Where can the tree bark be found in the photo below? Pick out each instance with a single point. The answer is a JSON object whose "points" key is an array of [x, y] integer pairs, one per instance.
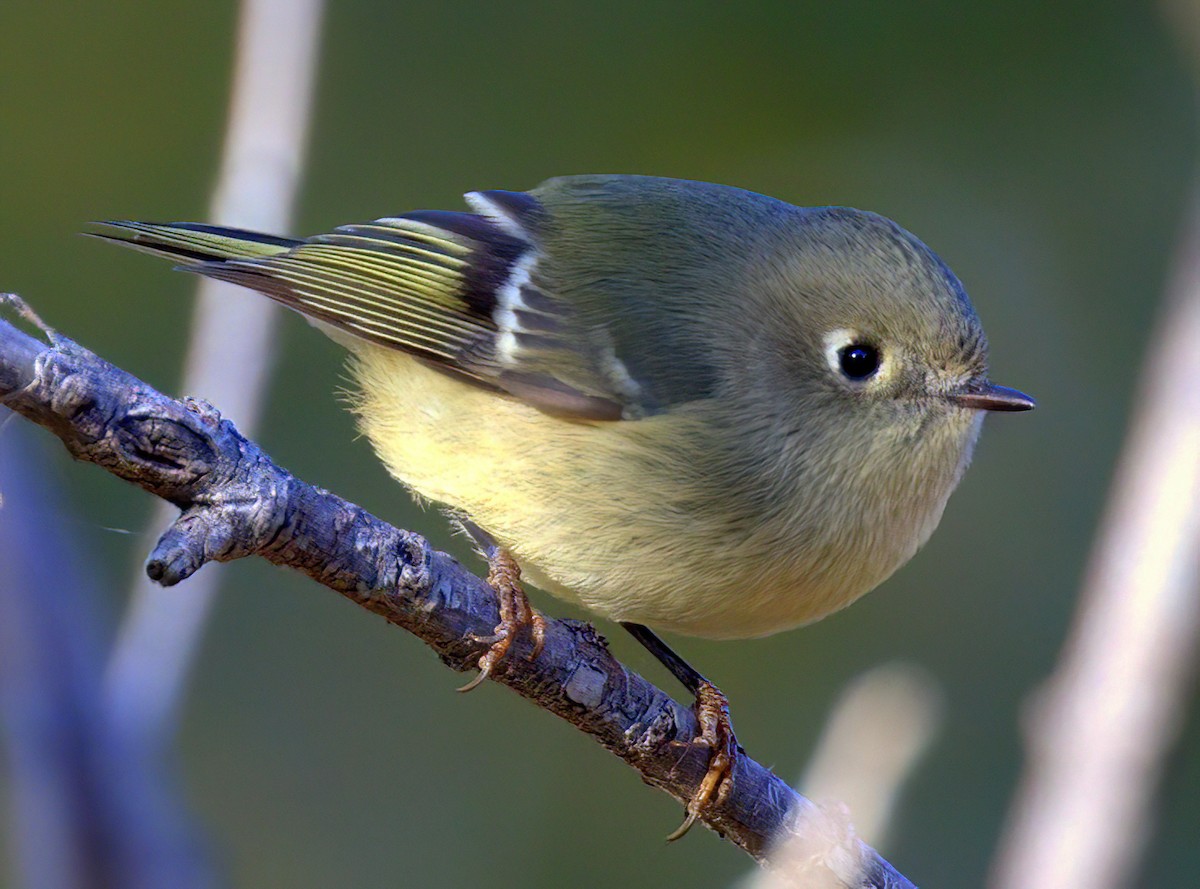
{"points": [[236, 502]]}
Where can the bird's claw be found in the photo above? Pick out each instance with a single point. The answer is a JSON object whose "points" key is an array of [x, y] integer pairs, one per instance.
{"points": [[716, 735], [504, 576]]}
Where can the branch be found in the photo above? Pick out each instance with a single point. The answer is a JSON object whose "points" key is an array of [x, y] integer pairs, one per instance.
{"points": [[236, 502]]}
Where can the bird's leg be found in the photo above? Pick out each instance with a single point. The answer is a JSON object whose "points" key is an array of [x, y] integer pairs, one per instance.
{"points": [[712, 715], [504, 576]]}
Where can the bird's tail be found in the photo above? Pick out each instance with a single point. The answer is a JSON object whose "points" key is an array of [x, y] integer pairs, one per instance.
{"points": [[189, 243]]}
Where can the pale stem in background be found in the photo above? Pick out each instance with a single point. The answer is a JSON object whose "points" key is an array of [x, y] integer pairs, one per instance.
{"points": [[859, 766], [857, 772], [229, 357], [1098, 732]]}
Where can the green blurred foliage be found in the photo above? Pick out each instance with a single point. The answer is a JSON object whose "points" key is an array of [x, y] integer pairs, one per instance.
{"points": [[1043, 149]]}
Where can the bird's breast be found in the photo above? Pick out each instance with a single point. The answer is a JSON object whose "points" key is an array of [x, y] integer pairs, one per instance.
{"points": [[634, 519]]}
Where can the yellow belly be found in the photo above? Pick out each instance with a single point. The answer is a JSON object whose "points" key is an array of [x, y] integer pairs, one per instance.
{"points": [[605, 514]]}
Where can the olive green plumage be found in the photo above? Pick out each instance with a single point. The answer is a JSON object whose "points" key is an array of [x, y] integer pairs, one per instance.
{"points": [[683, 404]]}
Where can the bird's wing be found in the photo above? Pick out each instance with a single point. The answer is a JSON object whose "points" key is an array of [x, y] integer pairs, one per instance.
{"points": [[466, 292]]}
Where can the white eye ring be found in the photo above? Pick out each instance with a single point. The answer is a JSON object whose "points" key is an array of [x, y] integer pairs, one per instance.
{"points": [[852, 356]]}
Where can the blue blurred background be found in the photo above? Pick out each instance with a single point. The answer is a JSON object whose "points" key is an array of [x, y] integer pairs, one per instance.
{"points": [[1044, 150]]}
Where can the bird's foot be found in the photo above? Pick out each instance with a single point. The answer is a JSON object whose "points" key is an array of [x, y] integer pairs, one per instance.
{"points": [[716, 735], [504, 576]]}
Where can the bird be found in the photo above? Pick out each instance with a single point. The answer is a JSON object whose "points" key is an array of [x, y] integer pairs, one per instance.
{"points": [[687, 407]]}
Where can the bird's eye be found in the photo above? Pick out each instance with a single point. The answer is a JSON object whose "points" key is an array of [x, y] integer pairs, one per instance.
{"points": [[858, 361]]}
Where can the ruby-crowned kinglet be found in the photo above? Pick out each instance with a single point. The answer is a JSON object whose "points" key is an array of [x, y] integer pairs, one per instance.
{"points": [[683, 405]]}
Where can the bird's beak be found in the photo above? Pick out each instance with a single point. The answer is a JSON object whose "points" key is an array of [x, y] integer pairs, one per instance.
{"points": [[987, 397]]}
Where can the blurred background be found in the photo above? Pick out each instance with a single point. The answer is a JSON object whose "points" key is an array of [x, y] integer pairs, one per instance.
{"points": [[1044, 150]]}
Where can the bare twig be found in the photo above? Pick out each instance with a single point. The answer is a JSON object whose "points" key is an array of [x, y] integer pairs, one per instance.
{"points": [[236, 502], [231, 345], [863, 768], [856, 768], [1100, 728]]}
